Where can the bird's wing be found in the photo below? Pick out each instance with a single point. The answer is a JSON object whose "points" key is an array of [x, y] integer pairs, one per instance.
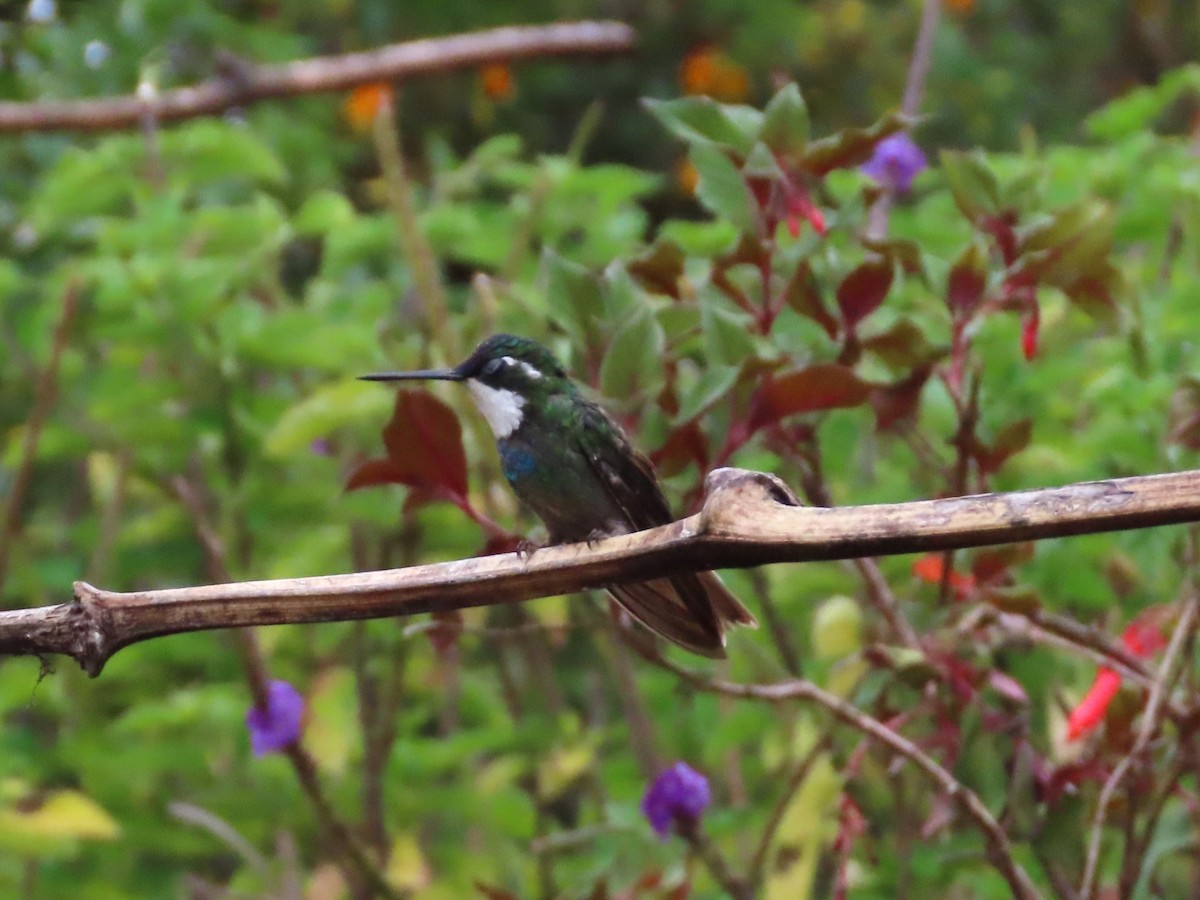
{"points": [[679, 608], [628, 476]]}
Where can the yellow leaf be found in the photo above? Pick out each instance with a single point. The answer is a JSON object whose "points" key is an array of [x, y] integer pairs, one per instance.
{"points": [[810, 820], [407, 869], [844, 676], [331, 732], [563, 767], [43, 827], [837, 628]]}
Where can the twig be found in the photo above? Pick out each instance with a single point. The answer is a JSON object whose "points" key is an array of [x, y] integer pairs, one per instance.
{"points": [[1150, 723], [426, 276], [777, 627], [798, 689], [323, 74], [914, 87], [714, 861], [43, 397], [748, 519]]}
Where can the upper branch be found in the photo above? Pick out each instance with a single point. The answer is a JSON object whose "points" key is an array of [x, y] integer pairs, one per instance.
{"points": [[748, 519], [253, 83]]}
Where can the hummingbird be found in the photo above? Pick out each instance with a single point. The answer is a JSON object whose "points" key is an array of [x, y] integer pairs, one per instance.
{"points": [[571, 464]]}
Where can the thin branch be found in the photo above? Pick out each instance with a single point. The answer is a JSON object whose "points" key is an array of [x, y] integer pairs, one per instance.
{"points": [[421, 260], [1150, 723], [914, 87], [251, 84], [748, 519], [43, 398], [798, 689]]}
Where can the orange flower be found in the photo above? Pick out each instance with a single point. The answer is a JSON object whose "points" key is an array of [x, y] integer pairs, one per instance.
{"points": [[364, 103], [498, 82], [961, 6], [686, 176], [930, 569], [709, 72]]}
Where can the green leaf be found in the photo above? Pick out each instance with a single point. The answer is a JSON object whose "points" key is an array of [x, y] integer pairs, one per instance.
{"points": [[722, 188], [714, 383], [324, 411], [973, 185], [207, 150], [785, 121], [633, 364], [102, 179], [700, 238], [1138, 109], [575, 292], [702, 121], [727, 337], [324, 211]]}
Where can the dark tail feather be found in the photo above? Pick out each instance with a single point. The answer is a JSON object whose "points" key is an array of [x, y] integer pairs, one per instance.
{"points": [[689, 610]]}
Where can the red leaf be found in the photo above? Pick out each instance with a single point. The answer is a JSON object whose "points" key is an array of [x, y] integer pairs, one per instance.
{"points": [[803, 295], [821, 386], [898, 402], [968, 278], [1012, 439], [445, 633], [424, 449], [989, 564], [1091, 709], [863, 290], [371, 472], [683, 445]]}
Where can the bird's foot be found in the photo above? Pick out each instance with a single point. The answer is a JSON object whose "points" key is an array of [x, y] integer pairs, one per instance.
{"points": [[595, 536], [526, 548]]}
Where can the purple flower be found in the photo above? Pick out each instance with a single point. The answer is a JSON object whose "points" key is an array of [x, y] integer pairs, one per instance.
{"points": [[678, 794], [321, 447], [275, 727], [896, 162]]}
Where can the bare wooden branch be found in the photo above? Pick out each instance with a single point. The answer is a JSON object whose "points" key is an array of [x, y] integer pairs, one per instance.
{"points": [[748, 519], [251, 83]]}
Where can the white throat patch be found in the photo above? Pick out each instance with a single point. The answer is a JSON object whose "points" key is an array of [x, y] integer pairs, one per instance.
{"points": [[501, 408]]}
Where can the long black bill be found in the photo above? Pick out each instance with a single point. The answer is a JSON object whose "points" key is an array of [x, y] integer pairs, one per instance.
{"points": [[421, 375]]}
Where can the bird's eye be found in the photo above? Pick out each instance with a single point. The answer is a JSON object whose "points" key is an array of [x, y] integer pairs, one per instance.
{"points": [[492, 367]]}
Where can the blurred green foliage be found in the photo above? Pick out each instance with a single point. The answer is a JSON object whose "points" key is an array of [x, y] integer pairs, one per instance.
{"points": [[235, 274]]}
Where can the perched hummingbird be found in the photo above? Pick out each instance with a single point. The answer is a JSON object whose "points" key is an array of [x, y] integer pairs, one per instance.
{"points": [[570, 463]]}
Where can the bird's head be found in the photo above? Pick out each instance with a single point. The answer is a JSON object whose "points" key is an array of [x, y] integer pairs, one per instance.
{"points": [[505, 374]]}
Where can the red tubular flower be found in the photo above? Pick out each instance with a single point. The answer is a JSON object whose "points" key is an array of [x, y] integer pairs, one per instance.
{"points": [[1092, 708], [1143, 638]]}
